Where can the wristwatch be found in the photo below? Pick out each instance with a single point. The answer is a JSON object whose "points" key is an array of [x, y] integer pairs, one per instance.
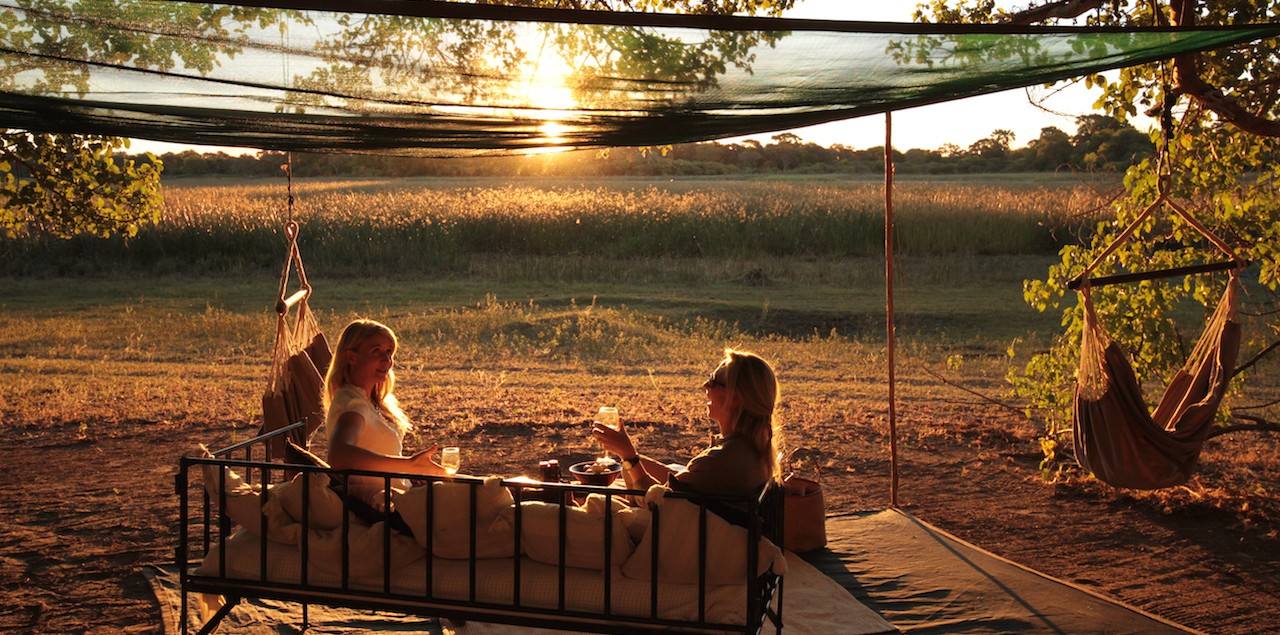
{"points": [[631, 463]]}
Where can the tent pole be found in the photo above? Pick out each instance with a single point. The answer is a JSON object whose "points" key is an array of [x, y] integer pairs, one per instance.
{"points": [[889, 318]]}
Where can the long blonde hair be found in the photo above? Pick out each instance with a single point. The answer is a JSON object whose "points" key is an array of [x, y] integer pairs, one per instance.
{"points": [[752, 379], [384, 393]]}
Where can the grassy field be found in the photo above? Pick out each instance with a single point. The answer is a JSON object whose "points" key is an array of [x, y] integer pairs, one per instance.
{"points": [[490, 270], [598, 283], [153, 347], [620, 277], [566, 230]]}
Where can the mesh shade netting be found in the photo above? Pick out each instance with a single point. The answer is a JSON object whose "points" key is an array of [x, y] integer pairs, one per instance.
{"points": [[447, 79], [1116, 436]]}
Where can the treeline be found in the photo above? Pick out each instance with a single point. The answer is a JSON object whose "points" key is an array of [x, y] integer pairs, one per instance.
{"points": [[1100, 143]]}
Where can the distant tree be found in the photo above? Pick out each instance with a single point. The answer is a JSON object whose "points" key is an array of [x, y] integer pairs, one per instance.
{"points": [[1105, 142], [950, 150], [994, 147], [1123, 149], [1051, 150]]}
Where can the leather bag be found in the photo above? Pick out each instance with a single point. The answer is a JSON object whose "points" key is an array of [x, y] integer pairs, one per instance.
{"points": [[805, 515]]}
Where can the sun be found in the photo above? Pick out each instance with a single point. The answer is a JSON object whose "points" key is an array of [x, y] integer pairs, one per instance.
{"points": [[545, 93], [550, 94], [553, 131]]}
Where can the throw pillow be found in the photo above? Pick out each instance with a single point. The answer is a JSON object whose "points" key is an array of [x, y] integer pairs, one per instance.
{"points": [[678, 521], [450, 518], [244, 504], [323, 504], [364, 554], [584, 532]]}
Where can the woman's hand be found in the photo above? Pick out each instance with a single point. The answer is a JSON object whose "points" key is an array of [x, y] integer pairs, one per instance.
{"points": [[615, 441], [422, 463]]}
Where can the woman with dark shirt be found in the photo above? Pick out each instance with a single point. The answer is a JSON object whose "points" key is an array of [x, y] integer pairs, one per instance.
{"points": [[742, 393]]}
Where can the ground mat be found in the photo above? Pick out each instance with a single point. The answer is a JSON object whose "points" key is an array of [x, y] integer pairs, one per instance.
{"points": [[813, 604], [924, 580]]}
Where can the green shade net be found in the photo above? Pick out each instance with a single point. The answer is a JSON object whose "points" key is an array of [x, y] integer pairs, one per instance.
{"points": [[448, 79]]}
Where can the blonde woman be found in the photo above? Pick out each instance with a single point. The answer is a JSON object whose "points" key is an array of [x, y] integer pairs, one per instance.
{"points": [[742, 393], [365, 424]]}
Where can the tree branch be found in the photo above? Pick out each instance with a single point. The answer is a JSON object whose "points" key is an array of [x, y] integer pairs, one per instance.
{"points": [[980, 395], [1187, 80], [1258, 424], [1060, 9], [1256, 406], [1256, 358], [1186, 68]]}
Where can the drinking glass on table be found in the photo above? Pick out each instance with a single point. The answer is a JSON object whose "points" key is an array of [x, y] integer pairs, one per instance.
{"points": [[450, 459], [608, 416]]}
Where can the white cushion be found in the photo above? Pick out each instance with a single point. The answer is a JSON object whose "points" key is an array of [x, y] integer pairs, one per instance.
{"points": [[244, 504], [324, 505], [584, 529], [495, 537], [678, 546]]}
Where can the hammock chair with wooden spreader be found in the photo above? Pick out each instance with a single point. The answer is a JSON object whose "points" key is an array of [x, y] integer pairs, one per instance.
{"points": [[1116, 437], [299, 359]]}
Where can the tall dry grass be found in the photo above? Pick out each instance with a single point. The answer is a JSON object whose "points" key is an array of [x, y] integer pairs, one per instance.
{"points": [[412, 227]]}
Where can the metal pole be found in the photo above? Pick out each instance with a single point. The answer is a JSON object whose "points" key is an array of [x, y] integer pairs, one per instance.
{"points": [[889, 319]]}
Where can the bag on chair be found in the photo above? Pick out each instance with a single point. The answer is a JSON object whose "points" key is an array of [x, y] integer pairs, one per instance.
{"points": [[804, 527]]}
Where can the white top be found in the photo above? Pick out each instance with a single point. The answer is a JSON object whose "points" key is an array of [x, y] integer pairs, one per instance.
{"points": [[379, 433]]}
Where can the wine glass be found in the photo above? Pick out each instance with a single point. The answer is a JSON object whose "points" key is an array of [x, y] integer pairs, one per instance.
{"points": [[608, 416], [450, 459]]}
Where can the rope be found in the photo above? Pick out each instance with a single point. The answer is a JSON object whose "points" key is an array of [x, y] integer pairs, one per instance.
{"points": [[288, 176], [1163, 180], [293, 257]]}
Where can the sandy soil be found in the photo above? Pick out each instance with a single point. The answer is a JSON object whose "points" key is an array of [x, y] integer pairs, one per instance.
{"points": [[84, 507]]}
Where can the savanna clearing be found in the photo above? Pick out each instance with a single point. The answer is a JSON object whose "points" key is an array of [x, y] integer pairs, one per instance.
{"points": [[522, 309]]}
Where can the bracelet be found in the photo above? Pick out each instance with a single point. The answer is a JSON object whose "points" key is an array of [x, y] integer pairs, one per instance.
{"points": [[631, 463]]}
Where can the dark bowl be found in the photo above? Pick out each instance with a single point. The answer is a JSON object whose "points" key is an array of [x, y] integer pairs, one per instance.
{"points": [[585, 475]]}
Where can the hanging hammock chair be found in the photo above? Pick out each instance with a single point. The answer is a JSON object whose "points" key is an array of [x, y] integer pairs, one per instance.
{"points": [[1116, 436], [300, 358]]}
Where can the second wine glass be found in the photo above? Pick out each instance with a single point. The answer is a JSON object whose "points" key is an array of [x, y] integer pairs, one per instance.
{"points": [[608, 416], [450, 459]]}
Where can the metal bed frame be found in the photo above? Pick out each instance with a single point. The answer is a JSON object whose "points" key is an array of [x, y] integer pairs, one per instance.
{"points": [[202, 525]]}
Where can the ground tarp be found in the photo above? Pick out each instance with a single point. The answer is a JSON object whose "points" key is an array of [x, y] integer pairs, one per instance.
{"points": [[813, 604], [924, 580], [881, 571]]}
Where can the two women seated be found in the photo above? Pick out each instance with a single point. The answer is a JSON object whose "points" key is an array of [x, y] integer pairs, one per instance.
{"points": [[366, 426]]}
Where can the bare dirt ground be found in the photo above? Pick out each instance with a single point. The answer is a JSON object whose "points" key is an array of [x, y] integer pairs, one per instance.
{"points": [[84, 506]]}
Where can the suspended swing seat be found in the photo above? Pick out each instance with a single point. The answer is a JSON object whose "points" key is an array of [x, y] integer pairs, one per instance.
{"points": [[1116, 436], [299, 360]]}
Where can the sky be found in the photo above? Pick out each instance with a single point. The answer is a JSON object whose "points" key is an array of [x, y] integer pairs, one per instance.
{"points": [[959, 122]]}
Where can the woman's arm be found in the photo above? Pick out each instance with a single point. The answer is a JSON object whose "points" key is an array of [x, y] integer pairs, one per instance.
{"points": [[646, 472], [346, 454], [638, 472]]}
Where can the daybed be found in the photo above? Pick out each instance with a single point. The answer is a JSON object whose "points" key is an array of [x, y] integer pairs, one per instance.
{"points": [[499, 550]]}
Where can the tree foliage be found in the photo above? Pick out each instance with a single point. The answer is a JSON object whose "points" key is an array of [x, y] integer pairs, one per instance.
{"points": [[67, 184], [1218, 157]]}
